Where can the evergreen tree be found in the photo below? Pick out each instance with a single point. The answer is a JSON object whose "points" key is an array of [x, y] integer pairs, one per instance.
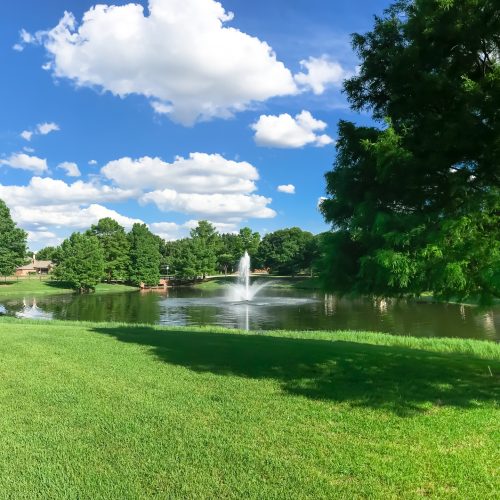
{"points": [[82, 262], [12, 243], [145, 257], [116, 248], [415, 205]]}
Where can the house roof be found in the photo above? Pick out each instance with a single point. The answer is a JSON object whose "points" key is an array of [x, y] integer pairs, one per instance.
{"points": [[38, 264]]}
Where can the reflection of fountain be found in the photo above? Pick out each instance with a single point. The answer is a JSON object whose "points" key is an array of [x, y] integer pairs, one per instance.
{"points": [[33, 311], [243, 291]]}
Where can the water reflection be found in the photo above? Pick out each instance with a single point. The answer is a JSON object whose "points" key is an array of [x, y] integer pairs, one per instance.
{"points": [[273, 309]]}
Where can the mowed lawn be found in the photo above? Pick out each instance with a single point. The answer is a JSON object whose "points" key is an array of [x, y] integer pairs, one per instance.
{"points": [[13, 288], [113, 411]]}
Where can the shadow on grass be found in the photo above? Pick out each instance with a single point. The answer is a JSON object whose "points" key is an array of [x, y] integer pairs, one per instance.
{"points": [[405, 381]]}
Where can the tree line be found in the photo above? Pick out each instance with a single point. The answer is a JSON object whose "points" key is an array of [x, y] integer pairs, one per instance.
{"points": [[106, 252]]}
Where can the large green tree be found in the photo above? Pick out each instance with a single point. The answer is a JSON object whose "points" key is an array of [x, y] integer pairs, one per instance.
{"points": [[415, 205], [287, 251], [82, 262], [145, 257], [116, 248], [12, 243], [206, 245]]}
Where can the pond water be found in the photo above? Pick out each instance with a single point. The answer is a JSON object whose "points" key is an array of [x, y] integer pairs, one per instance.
{"points": [[273, 308]]}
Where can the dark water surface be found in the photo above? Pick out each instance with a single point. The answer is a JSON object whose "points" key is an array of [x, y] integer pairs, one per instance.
{"points": [[273, 308]]}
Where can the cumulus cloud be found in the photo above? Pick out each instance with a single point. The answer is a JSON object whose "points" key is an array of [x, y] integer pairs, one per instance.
{"points": [[71, 168], [320, 73], [26, 162], [41, 129], [47, 128], [200, 173], [218, 206], [26, 135], [69, 216], [285, 131], [92, 162], [182, 55], [47, 191], [287, 188]]}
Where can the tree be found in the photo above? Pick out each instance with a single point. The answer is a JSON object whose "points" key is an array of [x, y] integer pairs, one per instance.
{"points": [[49, 253], [415, 205], [116, 248], [12, 243], [205, 246], [287, 251], [145, 256], [82, 262]]}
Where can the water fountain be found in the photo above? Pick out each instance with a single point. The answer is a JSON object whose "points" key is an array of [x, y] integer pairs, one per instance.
{"points": [[243, 291]]}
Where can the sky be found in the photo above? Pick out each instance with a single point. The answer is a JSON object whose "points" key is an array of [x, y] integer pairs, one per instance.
{"points": [[172, 111]]}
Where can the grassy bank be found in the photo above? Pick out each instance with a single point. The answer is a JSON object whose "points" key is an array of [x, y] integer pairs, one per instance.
{"points": [[299, 283], [33, 286], [116, 411]]}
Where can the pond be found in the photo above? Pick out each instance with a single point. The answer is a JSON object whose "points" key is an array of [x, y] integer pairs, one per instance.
{"points": [[273, 308]]}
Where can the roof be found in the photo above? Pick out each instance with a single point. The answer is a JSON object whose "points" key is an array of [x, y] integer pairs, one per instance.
{"points": [[38, 264]]}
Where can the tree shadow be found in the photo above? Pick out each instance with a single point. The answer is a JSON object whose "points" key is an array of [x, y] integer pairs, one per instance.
{"points": [[405, 381]]}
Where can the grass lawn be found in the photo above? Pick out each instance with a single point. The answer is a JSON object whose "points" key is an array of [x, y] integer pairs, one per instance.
{"points": [[113, 411], [35, 286], [301, 283]]}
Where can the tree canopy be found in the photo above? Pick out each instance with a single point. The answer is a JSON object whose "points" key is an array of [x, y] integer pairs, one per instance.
{"points": [[415, 204], [287, 251], [116, 248], [12, 243], [82, 262], [145, 256]]}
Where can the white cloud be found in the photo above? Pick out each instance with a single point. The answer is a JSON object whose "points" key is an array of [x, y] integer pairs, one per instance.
{"points": [[182, 56], [69, 217], [217, 206], [92, 162], [200, 173], [287, 188], [321, 72], [40, 129], [26, 135], [25, 38], [47, 128], [284, 131], [47, 191], [26, 162], [71, 168], [28, 150]]}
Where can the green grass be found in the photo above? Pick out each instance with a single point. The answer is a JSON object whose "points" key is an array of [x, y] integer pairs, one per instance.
{"points": [[34, 286], [115, 411], [301, 283]]}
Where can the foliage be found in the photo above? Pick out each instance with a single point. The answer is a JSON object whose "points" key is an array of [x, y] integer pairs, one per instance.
{"points": [[116, 248], [287, 251], [82, 262], [12, 243], [415, 206], [145, 256], [49, 253], [205, 245]]}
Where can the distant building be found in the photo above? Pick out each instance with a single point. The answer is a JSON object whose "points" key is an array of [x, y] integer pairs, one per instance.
{"points": [[35, 267]]}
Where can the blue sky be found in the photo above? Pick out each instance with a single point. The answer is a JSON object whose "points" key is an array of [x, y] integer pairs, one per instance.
{"points": [[184, 112]]}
